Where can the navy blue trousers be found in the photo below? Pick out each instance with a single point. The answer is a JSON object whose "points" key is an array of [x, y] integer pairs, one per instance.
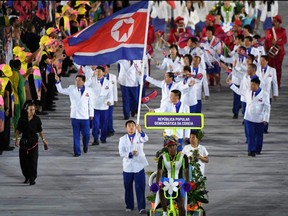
{"points": [[130, 97], [236, 103], [267, 125], [254, 135], [110, 128], [243, 112], [197, 108], [83, 126], [139, 179], [100, 123]]}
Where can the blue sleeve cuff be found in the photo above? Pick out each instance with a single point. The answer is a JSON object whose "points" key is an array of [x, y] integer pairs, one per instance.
{"points": [[142, 134], [58, 82], [130, 155], [230, 85], [145, 76]]}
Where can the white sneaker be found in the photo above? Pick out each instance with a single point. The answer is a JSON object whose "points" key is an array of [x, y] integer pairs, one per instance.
{"points": [[128, 210]]}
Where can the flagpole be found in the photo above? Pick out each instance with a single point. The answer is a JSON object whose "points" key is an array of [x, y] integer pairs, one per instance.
{"points": [[142, 66]]}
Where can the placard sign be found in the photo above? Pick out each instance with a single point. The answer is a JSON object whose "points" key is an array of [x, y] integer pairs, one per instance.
{"points": [[174, 121]]}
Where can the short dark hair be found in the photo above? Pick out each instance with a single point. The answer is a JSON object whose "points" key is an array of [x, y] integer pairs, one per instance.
{"points": [[265, 57], [177, 93], [100, 68], [242, 47], [257, 36], [81, 76], [187, 68], [13, 20], [173, 46], [195, 132], [189, 58], [249, 28], [249, 38], [130, 121], [210, 28], [240, 37], [193, 39], [171, 75], [251, 56], [254, 66], [197, 56], [256, 80]]}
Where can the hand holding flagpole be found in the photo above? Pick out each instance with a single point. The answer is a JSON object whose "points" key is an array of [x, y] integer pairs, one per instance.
{"points": [[142, 66]]}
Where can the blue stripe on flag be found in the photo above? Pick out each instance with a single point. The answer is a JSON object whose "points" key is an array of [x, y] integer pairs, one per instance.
{"points": [[111, 57]]}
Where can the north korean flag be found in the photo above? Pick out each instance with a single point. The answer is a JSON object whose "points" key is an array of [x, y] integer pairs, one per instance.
{"points": [[119, 36]]}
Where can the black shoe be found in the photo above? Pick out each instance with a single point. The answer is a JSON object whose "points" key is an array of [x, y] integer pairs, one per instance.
{"points": [[258, 153], [253, 154], [110, 134], [1, 152], [26, 180], [235, 116], [103, 141], [76, 155], [266, 132], [9, 148], [126, 118], [249, 153], [96, 142], [32, 182], [85, 150]]}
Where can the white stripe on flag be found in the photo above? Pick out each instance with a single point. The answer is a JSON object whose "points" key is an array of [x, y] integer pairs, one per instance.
{"points": [[109, 50], [120, 16]]}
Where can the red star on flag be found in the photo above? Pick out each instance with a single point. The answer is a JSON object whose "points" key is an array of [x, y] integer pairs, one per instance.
{"points": [[123, 29]]}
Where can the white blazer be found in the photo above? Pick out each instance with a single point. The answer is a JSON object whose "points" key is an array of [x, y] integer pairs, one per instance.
{"points": [[268, 80], [203, 11], [191, 19], [244, 85], [159, 10], [113, 83], [257, 108], [81, 105], [201, 83], [138, 162], [188, 96], [239, 69], [102, 93], [128, 74], [164, 89], [264, 13], [170, 108], [179, 10], [176, 64]]}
